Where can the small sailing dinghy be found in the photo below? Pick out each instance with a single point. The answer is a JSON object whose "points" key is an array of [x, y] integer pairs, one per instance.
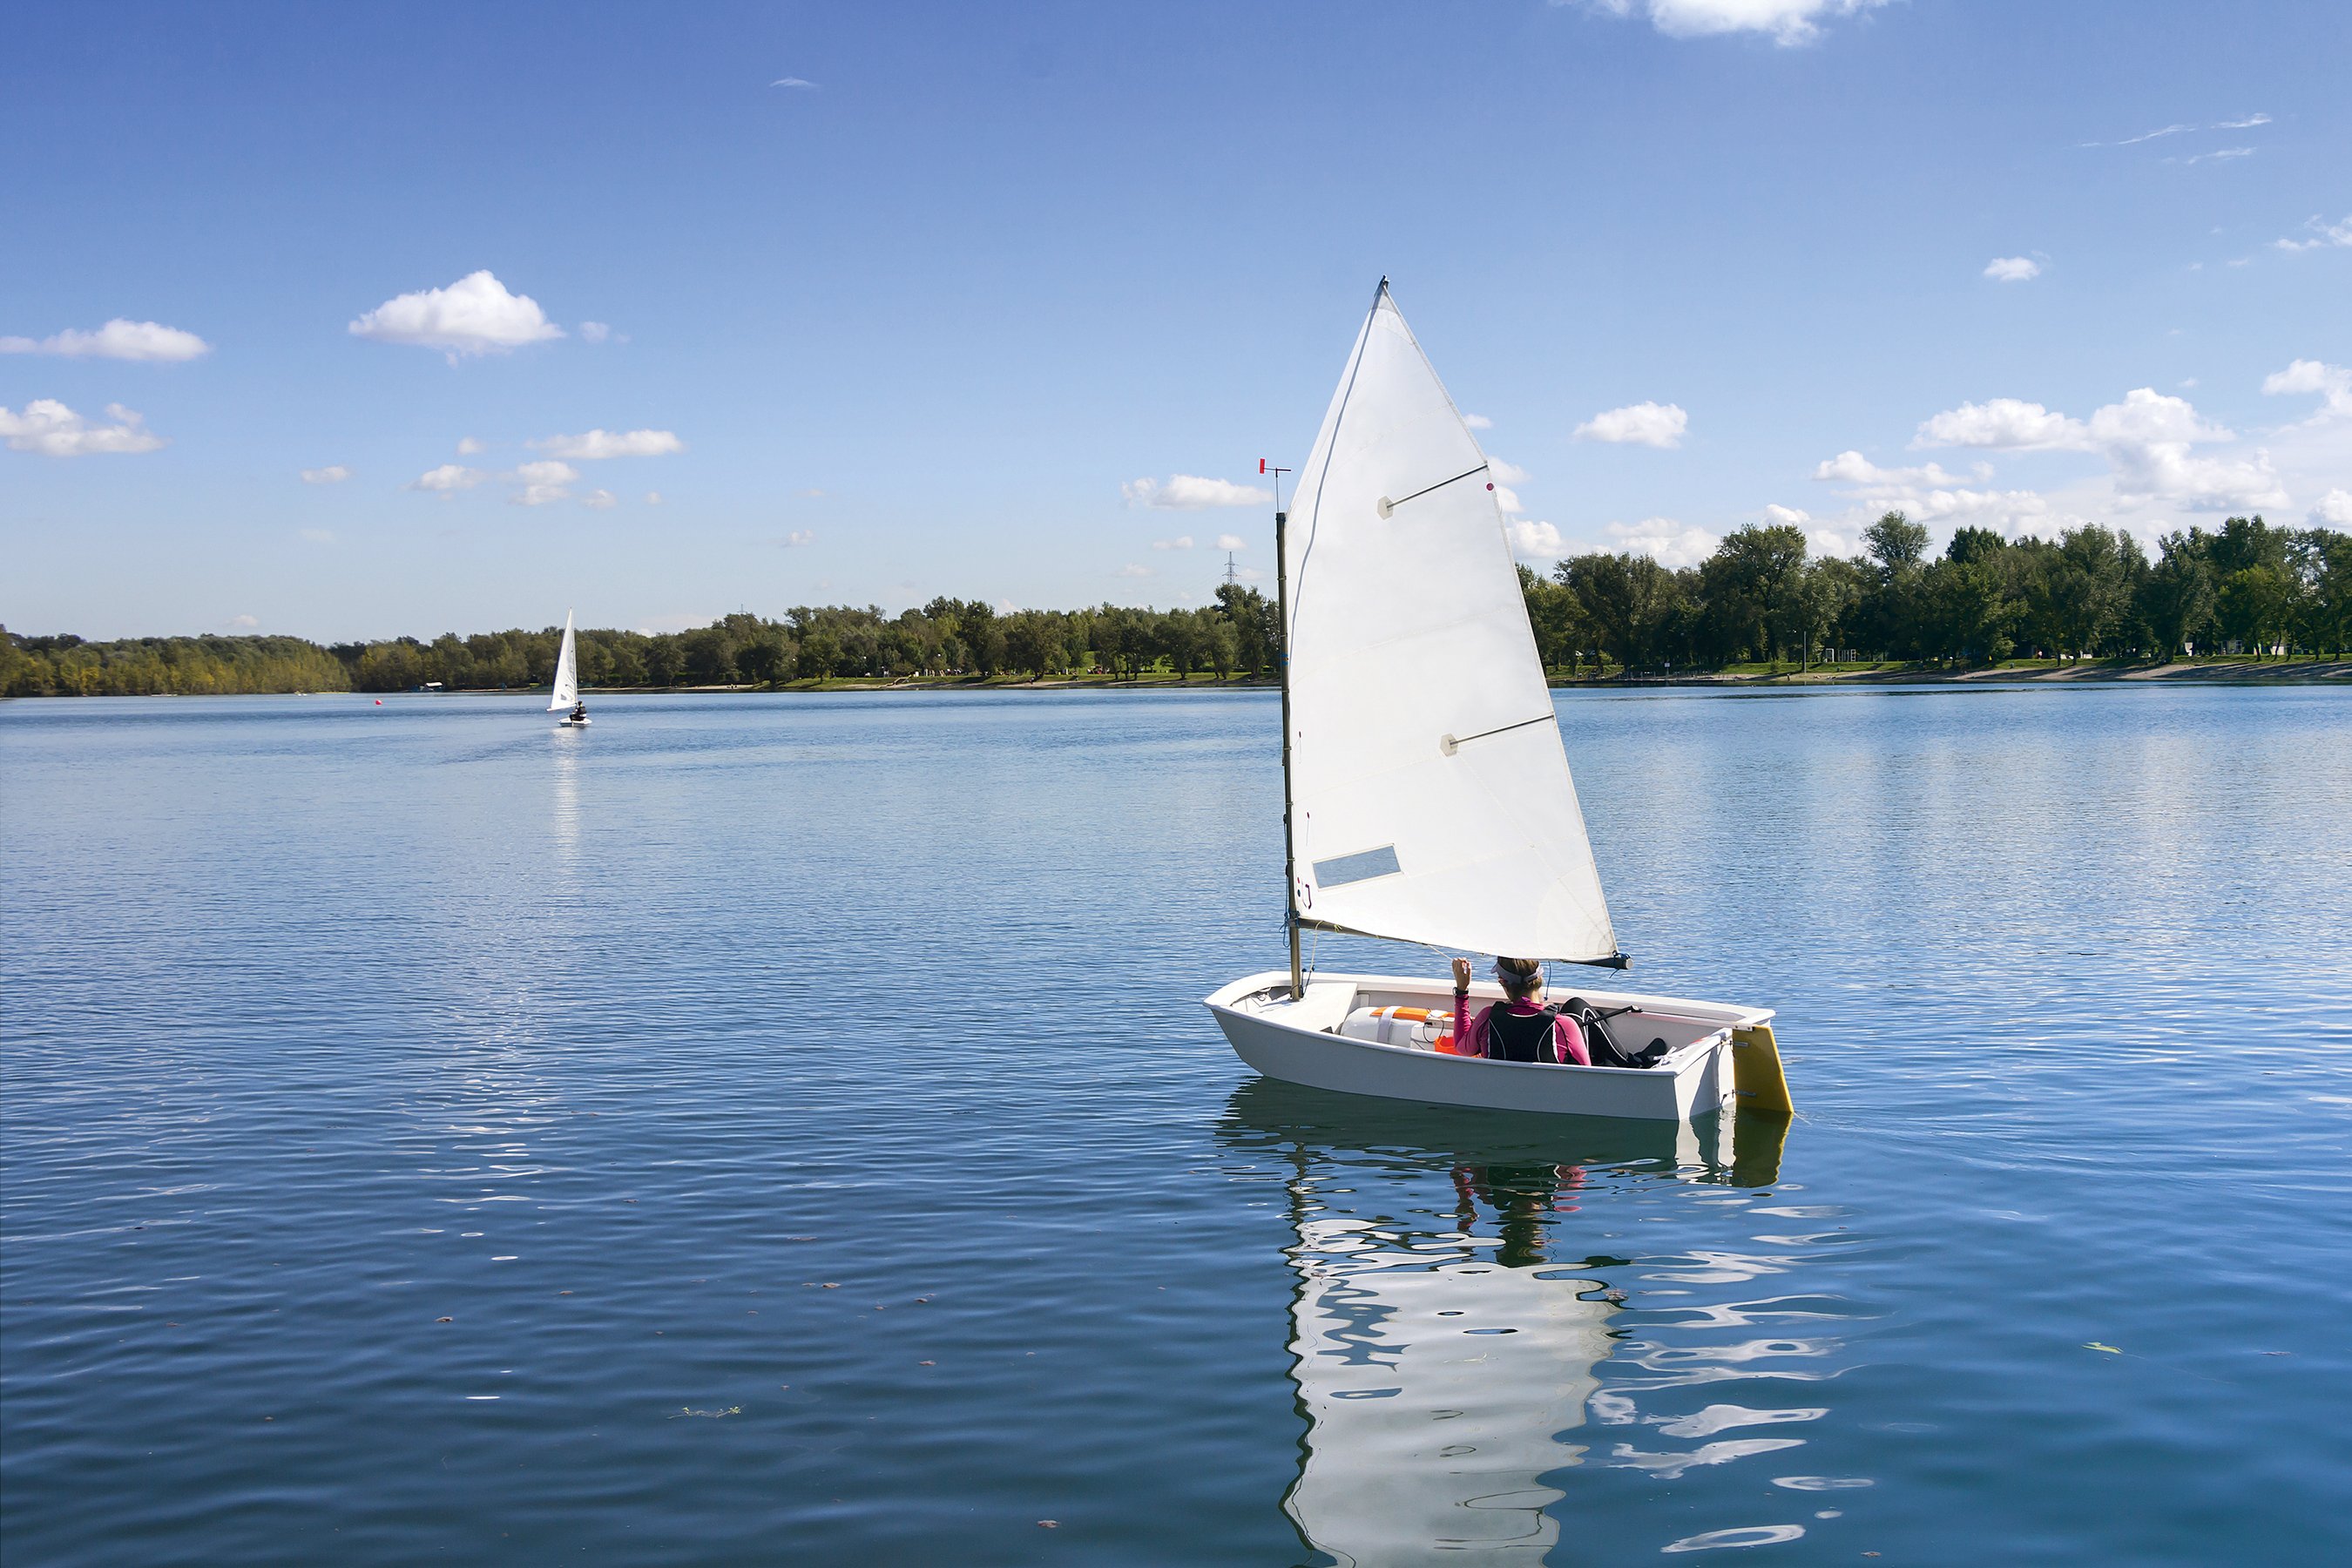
{"points": [[566, 693], [1427, 792]]}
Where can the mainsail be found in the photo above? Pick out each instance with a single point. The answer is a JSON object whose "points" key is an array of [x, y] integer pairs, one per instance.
{"points": [[567, 670], [1430, 794]]}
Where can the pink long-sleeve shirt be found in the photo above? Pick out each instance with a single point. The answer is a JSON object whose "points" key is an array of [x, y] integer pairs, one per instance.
{"points": [[1567, 1036]]}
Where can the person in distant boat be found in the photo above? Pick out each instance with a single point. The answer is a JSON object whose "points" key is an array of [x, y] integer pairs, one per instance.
{"points": [[579, 714], [1519, 1029]]}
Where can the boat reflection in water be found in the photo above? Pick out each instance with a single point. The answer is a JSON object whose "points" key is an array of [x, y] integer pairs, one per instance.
{"points": [[1443, 1349]]}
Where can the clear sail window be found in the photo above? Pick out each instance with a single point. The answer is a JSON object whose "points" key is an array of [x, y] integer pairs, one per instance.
{"points": [[1361, 866]]}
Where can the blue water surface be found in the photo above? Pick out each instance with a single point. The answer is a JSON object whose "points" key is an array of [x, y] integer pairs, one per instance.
{"points": [[785, 1128]]}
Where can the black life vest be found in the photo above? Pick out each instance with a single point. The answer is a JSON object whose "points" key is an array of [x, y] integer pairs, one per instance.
{"points": [[1519, 1037]]}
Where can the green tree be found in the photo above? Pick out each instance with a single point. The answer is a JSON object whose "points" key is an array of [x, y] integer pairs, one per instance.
{"points": [[1755, 589], [1258, 625], [1829, 594], [1557, 619], [1219, 645], [1033, 641], [1628, 598], [2177, 597]]}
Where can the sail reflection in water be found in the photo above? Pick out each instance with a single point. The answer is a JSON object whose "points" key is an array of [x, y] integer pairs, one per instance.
{"points": [[1445, 1351], [1434, 1378]]}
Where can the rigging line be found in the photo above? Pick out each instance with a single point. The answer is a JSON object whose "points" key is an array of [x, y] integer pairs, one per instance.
{"points": [[1363, 341], [1500, 730], [1438, 485]]}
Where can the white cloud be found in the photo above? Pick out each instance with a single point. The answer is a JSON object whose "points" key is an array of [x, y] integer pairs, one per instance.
{"points": [[1669, 542], [2247, 123], [1778, 516], [1190, 492], [2005, 423], [543, 482], [2013, 269], [244, 623], [1928, 494], [119, 339], [1853, 469], [2146, 438], [2143, 136], [1505, 473], [1133, 570], [2324, 235], [1478, 422], [1789, 21], [50, 428], [2332, 382], [1507, 500], [1181, 541], [653, 498], [798, 538], [1639, 423], [447, 480], [1231, 541], [1537, 541], [315, 536], [467, 445], [793, 81], [2218, 155], [2334, 511], [332, 474], [598, 444], [2161, 458], [601, 501], [475, 315], [594, 331]]}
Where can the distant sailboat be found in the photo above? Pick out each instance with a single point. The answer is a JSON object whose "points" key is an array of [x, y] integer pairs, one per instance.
{"points": [[1426, 786], [567, 682]]}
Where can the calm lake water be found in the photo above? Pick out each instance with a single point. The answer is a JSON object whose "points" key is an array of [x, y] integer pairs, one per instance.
{"points": [[767, 1130]]}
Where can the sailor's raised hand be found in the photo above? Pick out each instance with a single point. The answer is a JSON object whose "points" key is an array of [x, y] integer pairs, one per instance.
{"points": [[1462, 974]]}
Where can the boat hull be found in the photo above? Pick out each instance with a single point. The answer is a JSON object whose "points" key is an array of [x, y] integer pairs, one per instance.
{"points": [[1293, 1039]]}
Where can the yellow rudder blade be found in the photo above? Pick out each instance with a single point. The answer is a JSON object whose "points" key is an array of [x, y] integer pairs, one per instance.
{"points": [[1755, 1072]]}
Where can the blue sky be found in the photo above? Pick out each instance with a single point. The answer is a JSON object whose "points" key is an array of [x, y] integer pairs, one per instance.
{"points": [[927, 324]]}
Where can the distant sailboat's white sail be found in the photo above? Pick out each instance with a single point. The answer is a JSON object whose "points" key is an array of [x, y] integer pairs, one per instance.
{"points": [[1431, 800], [567, 670]]}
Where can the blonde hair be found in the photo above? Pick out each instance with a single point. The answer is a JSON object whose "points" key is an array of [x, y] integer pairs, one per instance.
{"points": [[1520, 976]]}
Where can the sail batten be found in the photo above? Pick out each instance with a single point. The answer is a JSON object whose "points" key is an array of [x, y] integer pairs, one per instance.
{"points": [[1430, 792], [567, 670]]}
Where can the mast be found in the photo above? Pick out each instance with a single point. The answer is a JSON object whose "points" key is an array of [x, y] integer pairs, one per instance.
{"points": [[1282, 663]]}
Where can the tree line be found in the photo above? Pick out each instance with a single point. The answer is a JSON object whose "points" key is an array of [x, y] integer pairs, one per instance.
{"points": [[1233, 637], [2092, 593], [1761, 597]]}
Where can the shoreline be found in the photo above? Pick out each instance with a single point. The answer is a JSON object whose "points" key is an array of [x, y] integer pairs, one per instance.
{"points": [[2230, 670]]}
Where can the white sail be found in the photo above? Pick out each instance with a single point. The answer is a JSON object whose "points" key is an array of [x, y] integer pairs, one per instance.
{"points": [[1429, 793], [567, 670]]}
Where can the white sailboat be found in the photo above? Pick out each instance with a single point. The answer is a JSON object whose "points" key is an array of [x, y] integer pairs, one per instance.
{"points": [[566, 693], [1427, 790]]}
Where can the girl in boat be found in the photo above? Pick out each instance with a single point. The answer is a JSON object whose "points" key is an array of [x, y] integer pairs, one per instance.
{"points": [[1519, 1029]]}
